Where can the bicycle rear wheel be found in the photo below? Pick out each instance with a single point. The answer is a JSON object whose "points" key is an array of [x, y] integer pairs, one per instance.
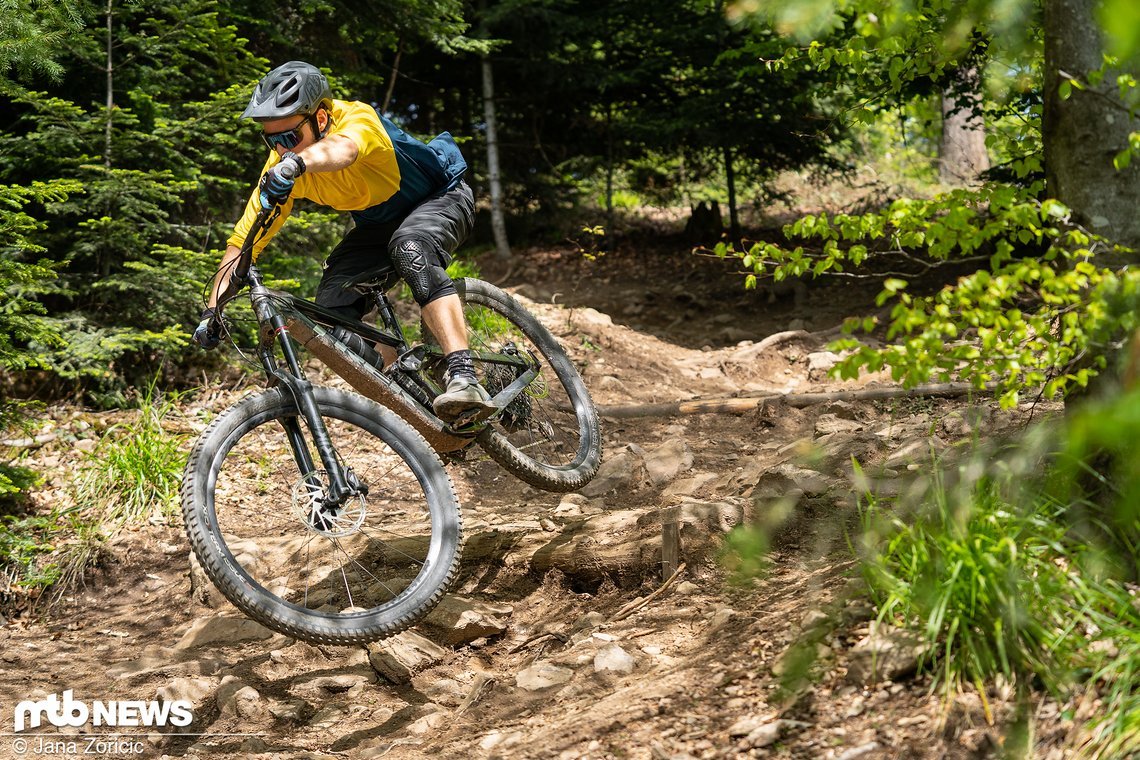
{"points": [[360, 573], [550, 435]]}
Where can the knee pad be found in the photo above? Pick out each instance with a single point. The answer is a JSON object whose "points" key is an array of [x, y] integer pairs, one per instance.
{"points": [[419, 266]]}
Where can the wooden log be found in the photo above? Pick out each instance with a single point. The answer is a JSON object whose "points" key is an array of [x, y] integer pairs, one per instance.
{"points": [[744, 404]]}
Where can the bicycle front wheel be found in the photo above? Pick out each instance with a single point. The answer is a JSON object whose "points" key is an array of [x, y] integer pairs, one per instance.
{"points": [[364, 571], [550, 435]]}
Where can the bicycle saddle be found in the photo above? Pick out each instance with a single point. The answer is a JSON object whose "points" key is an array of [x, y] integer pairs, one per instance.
{"points": [[377, 278]]}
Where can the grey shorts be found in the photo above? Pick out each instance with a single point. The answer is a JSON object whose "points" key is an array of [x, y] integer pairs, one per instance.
{"points": [[439, 224]]}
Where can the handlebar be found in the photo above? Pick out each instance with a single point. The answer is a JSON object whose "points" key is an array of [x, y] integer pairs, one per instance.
{"points": [[240, 272]]}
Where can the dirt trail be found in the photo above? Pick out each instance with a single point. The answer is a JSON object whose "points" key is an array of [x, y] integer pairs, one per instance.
{"points": [[548, 674]]}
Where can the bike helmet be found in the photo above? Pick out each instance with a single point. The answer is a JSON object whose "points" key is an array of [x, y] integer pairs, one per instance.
{"points": [[290, 89]]}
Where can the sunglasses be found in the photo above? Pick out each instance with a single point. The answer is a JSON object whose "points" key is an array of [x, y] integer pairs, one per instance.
{"points": [[288, 139]]}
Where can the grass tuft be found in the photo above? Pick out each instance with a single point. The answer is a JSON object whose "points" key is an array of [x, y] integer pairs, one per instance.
{"points": [[136, 468]]}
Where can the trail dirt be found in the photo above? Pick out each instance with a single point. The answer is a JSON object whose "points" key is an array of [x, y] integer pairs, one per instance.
{"points": [[542, 650]]}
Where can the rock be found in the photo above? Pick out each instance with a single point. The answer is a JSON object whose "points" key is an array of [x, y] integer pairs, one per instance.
{"points": [[430, 722], [826, 424], [684, 588], [716, 516], [192, 690], [534, 293], [542, 675], [613, 659], [765, 735], [838, 449], [919, 450], [844, 410], [202, 590], [856, 708], [253, 745], [664, 463], [888, 654], [820, 362], [789, 481], [498, 739], [688, 486], [625, 470], [292, 710], [400, 657], [222, 631], [165, 661], [341, 683], [720, 618], [747, 725], [591, 619], [861, 751], [235, 697], [327, 717], [612, 384], [445, 691], [458, 620], [812, 618]]}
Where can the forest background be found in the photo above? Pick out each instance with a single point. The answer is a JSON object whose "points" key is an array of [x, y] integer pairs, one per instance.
{"points": [[1007, 129]]}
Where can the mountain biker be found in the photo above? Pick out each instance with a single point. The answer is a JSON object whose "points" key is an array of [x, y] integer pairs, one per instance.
{"points": [[408, 200]]}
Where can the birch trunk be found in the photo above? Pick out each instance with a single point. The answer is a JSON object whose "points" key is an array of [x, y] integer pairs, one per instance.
{"points": [[494, 176]]}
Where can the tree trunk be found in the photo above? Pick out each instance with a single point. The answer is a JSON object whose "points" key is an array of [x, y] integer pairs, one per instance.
{"points": [[730, 177], [494, 179], [1083, 133], [110, 84], [962, 155], [395, 73], [609, 177]]}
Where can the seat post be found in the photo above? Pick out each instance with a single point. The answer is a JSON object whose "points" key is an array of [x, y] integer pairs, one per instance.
{"points": [[388, 318]]}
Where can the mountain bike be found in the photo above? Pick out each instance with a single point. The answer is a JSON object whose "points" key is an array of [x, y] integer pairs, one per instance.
{"points": [[328, 515]]}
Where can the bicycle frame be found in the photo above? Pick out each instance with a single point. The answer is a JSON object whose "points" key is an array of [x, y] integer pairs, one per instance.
{"points": [[301, 321]]}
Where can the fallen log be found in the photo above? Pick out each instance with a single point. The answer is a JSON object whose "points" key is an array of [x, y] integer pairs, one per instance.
{"points": [[743, 404], [623, 546]]}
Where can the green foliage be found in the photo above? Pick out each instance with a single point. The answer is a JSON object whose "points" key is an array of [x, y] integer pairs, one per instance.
{"points": [[21, 315], [137, 466], [1040, 312], [31, 34], [982, 576], [997, 570], [25, 544]]}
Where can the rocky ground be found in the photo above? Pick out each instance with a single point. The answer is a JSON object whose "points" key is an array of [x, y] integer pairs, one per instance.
{"points": [[559, 641]]}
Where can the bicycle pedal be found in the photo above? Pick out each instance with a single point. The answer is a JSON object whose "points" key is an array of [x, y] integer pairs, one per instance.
{"points": [[463, 427]]}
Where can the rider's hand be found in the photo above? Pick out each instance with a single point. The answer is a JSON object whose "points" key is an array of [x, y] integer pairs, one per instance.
{"points": [[277, 183], [206, 335]]}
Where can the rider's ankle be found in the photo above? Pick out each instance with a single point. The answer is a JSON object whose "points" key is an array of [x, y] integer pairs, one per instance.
{"points": [[460, 364]]}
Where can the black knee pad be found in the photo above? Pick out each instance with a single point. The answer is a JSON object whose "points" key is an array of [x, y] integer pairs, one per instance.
{"points": [[418, 264]]}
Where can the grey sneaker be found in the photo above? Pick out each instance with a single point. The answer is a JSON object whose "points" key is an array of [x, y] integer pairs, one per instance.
{"points": [[463, 396]]}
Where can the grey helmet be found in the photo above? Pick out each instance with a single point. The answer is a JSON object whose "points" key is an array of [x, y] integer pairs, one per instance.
{"points": [[290, 89]]}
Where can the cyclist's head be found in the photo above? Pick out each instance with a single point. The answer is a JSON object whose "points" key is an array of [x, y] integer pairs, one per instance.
{"points": [[291, 90]]}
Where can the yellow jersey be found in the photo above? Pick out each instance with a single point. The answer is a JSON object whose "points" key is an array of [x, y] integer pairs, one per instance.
{"points": [[391, 174]]}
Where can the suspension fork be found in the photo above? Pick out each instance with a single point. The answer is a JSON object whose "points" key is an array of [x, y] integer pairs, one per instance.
{"points": [[294, 379]]}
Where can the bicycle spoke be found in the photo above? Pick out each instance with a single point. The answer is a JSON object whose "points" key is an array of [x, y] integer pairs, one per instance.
{"points": [[282, 540]]}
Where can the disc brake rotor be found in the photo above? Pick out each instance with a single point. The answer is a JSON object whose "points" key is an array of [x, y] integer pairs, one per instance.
{"points": [[333, 522]]}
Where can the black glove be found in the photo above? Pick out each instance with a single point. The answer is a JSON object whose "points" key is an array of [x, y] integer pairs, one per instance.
{"points": [[206, 334], [277, 183]]}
